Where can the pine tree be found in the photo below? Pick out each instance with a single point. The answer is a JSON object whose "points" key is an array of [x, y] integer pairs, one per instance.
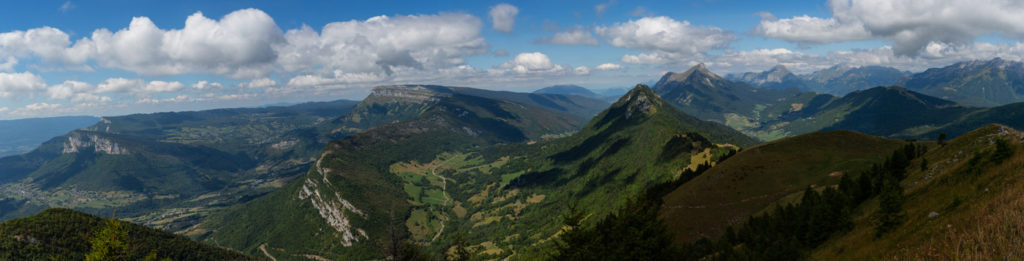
{"points": [[109, 243], [890, 207], [898, 164]]}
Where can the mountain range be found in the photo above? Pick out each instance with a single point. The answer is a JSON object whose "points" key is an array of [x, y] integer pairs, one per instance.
{"points": [[771, 114], [836, 80], [973, 83], [700, 166], [843, 79]]}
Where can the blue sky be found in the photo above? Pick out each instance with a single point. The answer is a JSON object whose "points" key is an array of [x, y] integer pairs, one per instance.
{"points": [[120, 57]]}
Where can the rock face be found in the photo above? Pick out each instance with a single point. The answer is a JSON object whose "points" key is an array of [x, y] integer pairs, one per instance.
{"points": [[78, 142], [332, 210], [404, 93], [641, 101]]}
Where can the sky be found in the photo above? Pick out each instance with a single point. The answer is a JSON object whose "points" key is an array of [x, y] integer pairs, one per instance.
{"points": [[107, 58]]}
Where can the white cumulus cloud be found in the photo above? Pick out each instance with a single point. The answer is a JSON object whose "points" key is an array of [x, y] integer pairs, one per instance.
{"points": [[808, 29], [581, 70], [608, 67], [15, 84], [68, 89], [119, 85], [247, 44], [239, 45], [911, 25], [206, 85], [383, 44], [503, 17], [664, 39], [534, 62], [50, 44]]}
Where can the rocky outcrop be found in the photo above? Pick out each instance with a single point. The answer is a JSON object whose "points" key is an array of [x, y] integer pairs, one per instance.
{"points": [[332, 209], [78, 142], [404, 93]]}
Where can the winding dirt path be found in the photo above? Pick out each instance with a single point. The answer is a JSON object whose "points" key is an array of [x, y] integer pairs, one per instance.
{"points": [[263, 247], [444, 192]]}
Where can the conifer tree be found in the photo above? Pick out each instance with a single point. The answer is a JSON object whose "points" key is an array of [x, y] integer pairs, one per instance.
{"points": [[890, 207], [109, 243]]}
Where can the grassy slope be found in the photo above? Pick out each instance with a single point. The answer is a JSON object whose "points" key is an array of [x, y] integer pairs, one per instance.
{"points": [[757, 177], [64, 234], [979, 207]]}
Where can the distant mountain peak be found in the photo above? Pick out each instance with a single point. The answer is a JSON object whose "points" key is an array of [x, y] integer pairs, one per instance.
{"points": [[779, 68], [640, 100], [776, 74], [700, 69], [697, 72]]}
